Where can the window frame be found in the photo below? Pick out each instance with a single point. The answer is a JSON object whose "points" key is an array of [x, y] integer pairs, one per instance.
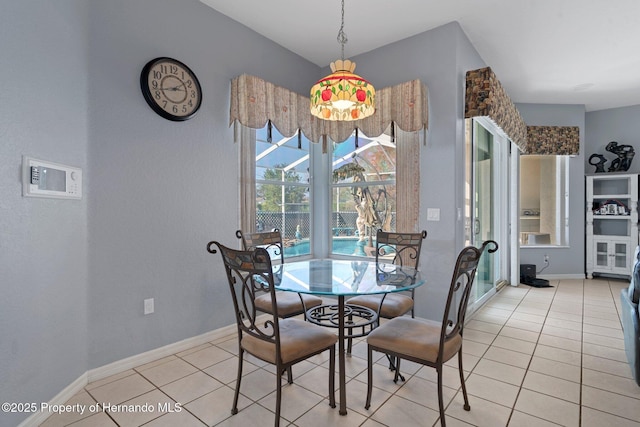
{"points": [[407, 170], [561, 198], [363, 142]]}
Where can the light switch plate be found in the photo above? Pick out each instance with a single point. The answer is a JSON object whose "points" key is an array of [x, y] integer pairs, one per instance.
{"points": [[148, 306], [433, 214]]}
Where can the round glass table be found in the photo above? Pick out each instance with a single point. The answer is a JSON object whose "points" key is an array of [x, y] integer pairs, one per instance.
{"points": [[344, 278]]}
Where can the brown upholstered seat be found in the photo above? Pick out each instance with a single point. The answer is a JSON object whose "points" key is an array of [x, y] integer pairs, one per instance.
{"points": [[428, 342], [393, 305], [281, 342], [297, 339], [289, 304]]}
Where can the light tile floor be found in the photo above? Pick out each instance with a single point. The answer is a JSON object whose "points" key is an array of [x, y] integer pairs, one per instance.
{"points": [[533, 357]]}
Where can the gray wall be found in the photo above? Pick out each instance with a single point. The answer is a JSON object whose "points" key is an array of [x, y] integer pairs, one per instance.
{"points": [[563, 260], [74, 273], [160, 189], [439, 58], [616, 124], [43, 242]]}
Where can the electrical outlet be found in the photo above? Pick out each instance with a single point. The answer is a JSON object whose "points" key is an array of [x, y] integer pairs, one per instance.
{"points": [[148, 306], [546, 258]]}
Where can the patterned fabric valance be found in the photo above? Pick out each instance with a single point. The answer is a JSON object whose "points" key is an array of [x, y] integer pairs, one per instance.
{"points": [[255, 101], [485, 96], [558, 140]]}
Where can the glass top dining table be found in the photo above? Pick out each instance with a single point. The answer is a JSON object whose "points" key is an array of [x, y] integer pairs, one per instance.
{"points": [[343, 278]]}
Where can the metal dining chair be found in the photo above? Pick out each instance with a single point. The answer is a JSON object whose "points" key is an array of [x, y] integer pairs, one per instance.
{"points": [[429, 342], [396, 248], [281, 342], [289, 303], [400, 249]]}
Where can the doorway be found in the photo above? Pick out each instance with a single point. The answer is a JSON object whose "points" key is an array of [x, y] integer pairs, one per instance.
{"points": [[490, 196]]}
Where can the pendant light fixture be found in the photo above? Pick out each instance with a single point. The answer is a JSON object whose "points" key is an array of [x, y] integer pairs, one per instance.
{"points": [[342, 95]]}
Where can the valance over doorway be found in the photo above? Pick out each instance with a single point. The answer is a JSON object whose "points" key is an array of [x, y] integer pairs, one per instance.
{"points": [[485, 96]]}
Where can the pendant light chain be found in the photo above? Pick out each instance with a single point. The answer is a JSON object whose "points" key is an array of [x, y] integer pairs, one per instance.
{"points": [[342, 37], [342, 95]]}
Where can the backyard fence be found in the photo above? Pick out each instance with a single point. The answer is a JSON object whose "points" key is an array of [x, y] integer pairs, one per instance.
{"points": [[342, 223]]}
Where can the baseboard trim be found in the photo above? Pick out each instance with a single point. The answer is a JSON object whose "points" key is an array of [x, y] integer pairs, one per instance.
{"points": [[65, 394], [561, 276], [158, 353], [125, 364]]}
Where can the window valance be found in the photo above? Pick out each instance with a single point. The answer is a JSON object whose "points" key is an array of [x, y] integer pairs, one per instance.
{"points": [[255, 101], [558, 140], [485, 96]]}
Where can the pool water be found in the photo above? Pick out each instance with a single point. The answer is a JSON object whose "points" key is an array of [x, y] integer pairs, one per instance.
{"points": [[340, 246]]}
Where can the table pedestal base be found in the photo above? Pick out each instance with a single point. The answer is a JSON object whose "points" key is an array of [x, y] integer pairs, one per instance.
{"points": [[357, 320]]}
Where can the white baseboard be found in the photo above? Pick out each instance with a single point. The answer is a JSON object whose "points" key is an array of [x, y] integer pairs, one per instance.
{"points": [[125, 364], [67, 393], [158, 353], [561, 276]]}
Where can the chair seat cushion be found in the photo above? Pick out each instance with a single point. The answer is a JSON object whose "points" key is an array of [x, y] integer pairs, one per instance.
{"points": [[416, 338], [394, 305], [289, 303], [298, 339]]}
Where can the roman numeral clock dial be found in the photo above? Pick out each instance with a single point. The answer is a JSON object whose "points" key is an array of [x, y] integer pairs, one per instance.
{"points": [[171, 89]]}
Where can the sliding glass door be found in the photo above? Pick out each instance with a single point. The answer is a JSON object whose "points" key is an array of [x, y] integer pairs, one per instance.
{"points": [[485, 211], [489, 189]]}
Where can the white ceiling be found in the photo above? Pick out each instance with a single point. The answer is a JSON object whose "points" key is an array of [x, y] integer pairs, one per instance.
{"points": [[543, 51]]}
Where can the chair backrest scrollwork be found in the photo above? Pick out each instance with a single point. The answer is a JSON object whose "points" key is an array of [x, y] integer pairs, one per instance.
{"points": [[463, 275], [399, 248], [269, 240], [249, 273]]}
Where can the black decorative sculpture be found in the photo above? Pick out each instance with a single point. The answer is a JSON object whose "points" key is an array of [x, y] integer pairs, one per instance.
{"points": [[601, 160], [625, 155]]}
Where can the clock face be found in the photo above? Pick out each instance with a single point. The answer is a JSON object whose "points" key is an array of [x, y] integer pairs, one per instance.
{"points": [[171, 89]]}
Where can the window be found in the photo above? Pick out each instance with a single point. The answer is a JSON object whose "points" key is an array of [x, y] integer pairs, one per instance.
{"points": [[544, 193], [363, 193], [356, 189], [282, 189]]}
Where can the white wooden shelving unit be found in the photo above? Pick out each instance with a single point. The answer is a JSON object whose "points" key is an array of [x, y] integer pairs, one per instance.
{"points": [[612, 223]]}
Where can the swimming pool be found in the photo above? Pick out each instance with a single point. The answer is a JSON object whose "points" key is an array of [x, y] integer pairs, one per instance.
{"points": [[340, 246]]}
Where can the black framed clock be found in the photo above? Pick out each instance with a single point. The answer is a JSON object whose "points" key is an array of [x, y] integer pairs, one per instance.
{"points": [[171, 89]]}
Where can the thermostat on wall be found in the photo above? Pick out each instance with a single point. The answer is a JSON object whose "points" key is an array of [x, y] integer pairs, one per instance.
{"points": [[47, 179]]}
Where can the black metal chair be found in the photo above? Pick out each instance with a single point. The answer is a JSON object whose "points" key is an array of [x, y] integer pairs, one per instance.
{"points": [[289, 303], [400, 249], [281, 342], [429, 342]]}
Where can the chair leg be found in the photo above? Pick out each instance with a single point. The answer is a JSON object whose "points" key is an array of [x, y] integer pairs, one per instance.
{"points": [[349, 333], [278, 398], [464, 388], [332, 376], [397, 367], [234, 408], [394, 365], [289, 375], [369, 376], [440, 400]]}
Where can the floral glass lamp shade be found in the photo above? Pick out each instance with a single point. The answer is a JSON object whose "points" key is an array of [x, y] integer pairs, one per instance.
{"points": [[342, 95]]}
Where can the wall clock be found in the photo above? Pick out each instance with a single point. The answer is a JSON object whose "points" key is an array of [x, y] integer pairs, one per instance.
{"points": [[171, 89]]}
